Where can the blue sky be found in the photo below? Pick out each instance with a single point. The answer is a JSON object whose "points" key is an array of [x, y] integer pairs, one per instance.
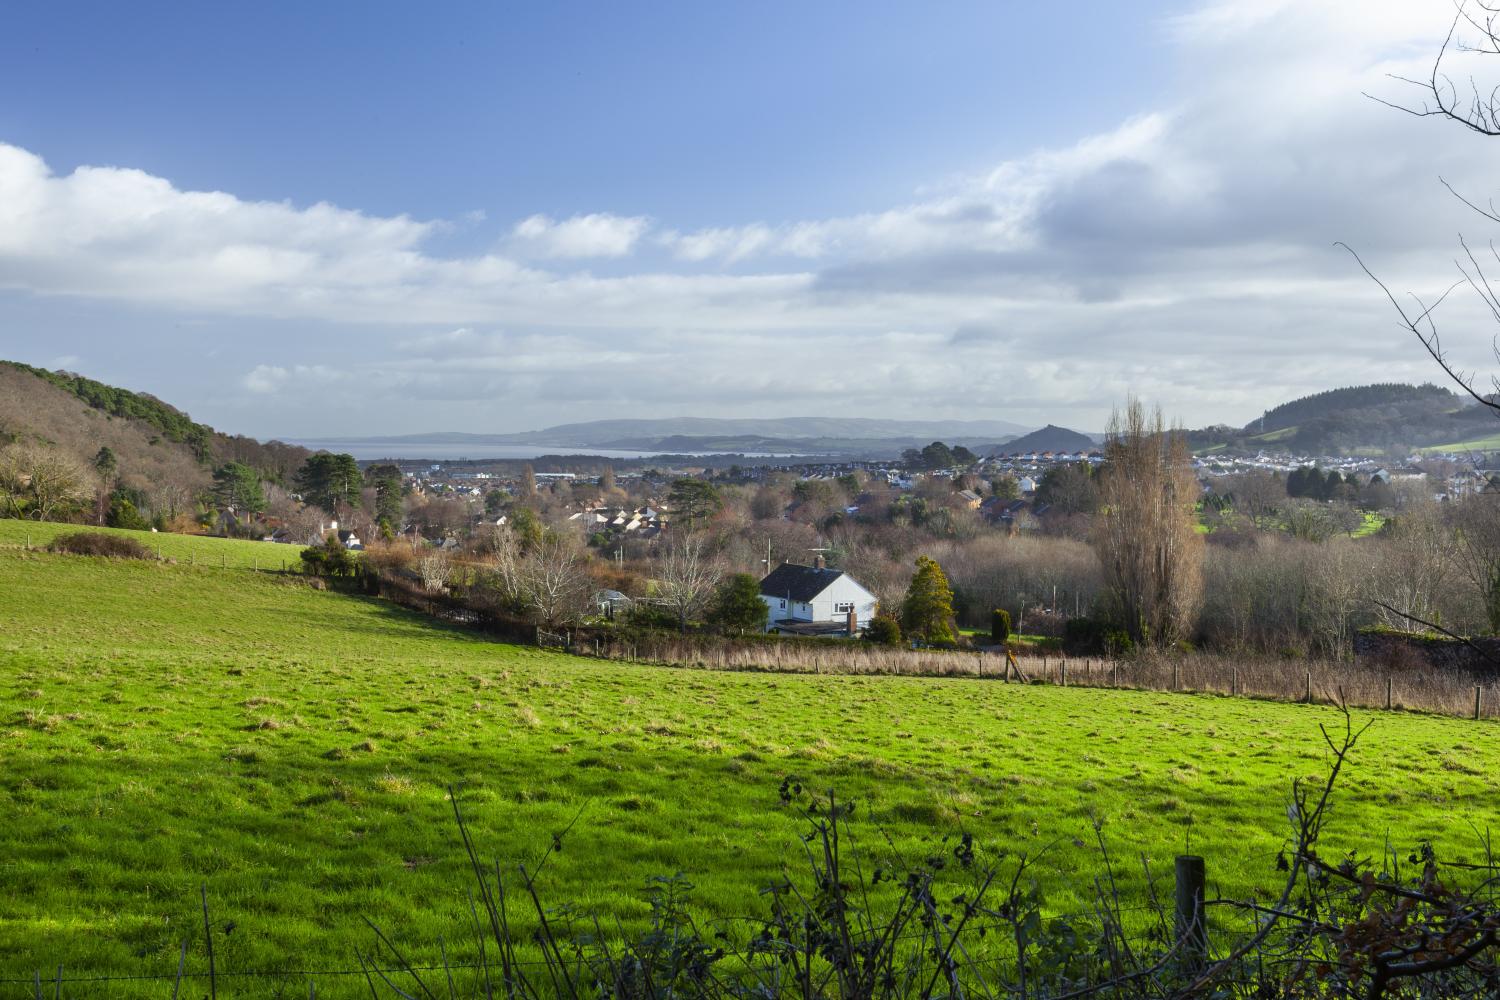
{"points": [[701, 113], [387, 218]]}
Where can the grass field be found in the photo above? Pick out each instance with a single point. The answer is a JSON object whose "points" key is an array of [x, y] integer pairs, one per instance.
{"points": [[166, 726], [203, 550], [1488, 443]]}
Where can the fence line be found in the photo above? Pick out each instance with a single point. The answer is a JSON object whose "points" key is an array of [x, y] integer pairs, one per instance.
{"points": [[1445, 692]]}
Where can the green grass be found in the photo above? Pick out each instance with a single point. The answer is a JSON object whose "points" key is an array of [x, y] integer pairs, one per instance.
{"points": [[1488, 443], [204, 550], [168, 726], [1372, 524]]}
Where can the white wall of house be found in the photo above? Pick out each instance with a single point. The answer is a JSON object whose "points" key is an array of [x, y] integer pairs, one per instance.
{"points": [[829, 606], [780, 607], [840, 594]]}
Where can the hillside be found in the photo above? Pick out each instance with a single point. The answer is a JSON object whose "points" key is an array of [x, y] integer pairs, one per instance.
{"points": [[641, 435], [1382, 417], [290, 750], [36, 410], [157, 445], [1050, 438]]}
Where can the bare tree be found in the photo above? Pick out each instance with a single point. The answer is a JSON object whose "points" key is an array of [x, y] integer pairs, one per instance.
{"points": [[436, 569], [1475, 520], [687, 577], [551, 582], [1258, 495], [1335, 596], [41, 483], [1474, 36], [1415, 570], [1150, 553]]}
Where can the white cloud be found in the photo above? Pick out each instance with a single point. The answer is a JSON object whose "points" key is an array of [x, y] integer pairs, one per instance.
{"points": [[1185, 254], [264, 379], [598, 234]]}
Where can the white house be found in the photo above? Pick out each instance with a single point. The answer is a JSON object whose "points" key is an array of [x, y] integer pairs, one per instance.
{"points": [[815, 600]]}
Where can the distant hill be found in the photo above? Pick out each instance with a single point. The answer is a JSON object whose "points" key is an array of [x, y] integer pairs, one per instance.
{"points": [[1050, 438], [1356, 397], [1381, 417], [155, 443], [607, 433], [844, 436]]}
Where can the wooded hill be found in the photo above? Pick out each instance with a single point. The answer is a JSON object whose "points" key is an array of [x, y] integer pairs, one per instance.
{"points": [[159, 448], [1384, 417]]}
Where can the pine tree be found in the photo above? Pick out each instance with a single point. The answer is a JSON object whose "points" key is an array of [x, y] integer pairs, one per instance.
{"points": [[387, 483], [327, 480], [237, 487], [927, 610]]}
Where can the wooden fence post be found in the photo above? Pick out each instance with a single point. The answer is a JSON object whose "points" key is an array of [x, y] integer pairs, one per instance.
{"points": [[1192, 931], [1234, 680], [1387, 693], [1478, 700], [1307, 689], [1114, 674], [1174, 676], [1063, 672]]}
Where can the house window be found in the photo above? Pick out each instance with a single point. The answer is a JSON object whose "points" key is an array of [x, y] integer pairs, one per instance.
{"points": [[844, 609], [783, 605]]}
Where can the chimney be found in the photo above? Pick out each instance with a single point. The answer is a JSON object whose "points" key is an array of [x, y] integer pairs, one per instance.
{"points": [[853, 620], [819, 562]]}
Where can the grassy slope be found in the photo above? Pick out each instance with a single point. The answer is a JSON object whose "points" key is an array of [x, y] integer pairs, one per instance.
{"points": [[166, 726], [202, 550], [1488, 443]]}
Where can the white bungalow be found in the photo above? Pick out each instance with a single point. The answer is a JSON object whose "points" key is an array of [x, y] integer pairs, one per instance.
{"points": [[815, 600]]}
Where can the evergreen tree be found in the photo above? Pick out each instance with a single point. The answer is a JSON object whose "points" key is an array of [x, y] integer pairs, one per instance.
{"points": [[327, 480], [884, 630], [387, 483], [528, 483], [106, 465], [237, 486], [999, 625], [607, 480], [1006, 487], [694, 499], [737, 607], [927, 610]]}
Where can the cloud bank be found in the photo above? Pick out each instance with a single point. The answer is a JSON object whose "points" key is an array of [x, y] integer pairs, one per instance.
{"points": [[1184, 255]]}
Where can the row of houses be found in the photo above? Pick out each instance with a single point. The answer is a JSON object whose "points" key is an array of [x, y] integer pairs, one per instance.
{"points": [[637, 522]]}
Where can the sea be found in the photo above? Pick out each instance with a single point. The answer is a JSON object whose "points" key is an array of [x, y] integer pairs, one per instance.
{"points": [[370, 449]]}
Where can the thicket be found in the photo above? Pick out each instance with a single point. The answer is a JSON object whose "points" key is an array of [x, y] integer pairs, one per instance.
{"points": [[96, 543]]}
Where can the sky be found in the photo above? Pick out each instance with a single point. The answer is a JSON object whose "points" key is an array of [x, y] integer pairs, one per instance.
{"points": [[305, 220]]}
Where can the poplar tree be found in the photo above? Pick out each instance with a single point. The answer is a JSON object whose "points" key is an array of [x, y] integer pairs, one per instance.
{"points": [[1151, 553]]}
